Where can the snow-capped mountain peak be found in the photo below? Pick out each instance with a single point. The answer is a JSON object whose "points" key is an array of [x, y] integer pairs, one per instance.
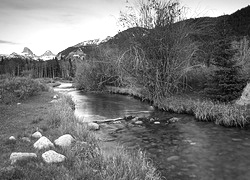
{"points": [[47, 55], [27, 52]]}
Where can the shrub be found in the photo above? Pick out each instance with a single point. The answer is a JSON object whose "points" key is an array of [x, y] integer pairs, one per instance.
{"points": [[16, 88]]}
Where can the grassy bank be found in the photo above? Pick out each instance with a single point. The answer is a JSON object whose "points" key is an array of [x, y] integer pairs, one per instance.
{"points": [[85, 158], [89, 161], [230, 115]]}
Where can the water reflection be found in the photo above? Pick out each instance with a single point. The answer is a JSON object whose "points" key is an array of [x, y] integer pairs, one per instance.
{"points": [[96, 106]]}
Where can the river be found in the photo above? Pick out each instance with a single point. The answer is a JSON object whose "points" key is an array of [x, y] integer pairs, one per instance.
{"points": [[186, 149]]}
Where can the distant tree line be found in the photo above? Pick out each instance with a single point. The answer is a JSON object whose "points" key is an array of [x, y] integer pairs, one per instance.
{"points": [[63, 68]]}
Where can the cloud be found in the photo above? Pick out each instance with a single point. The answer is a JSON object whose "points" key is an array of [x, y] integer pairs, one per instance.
{"points": [[7, 42]]}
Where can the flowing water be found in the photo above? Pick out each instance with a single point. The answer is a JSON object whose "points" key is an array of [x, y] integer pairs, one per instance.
{"points": [[186, 149]]}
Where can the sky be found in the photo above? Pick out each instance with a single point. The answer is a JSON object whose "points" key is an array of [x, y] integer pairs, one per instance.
{"points": [[57, 24]]}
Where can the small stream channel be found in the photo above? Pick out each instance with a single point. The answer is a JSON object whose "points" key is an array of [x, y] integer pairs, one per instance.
{"points": [[186, 149]]}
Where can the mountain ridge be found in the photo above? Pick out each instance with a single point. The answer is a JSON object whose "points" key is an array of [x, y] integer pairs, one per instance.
{"points": [[28, 54]]}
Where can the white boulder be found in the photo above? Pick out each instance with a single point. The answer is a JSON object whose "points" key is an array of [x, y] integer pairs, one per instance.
{"points": [[36, 135], [43, 143], [93, 126], [12, 138], [16, 156], [53, 157], [64, 140], [245, 97], [157, 122]]}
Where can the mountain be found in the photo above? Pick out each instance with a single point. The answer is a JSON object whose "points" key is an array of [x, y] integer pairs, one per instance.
{"points": [[28, 54], [48, 55], [88, 42], [81, 49]]}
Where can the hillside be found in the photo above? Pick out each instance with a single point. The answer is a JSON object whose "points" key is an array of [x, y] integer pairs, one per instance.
{"points": [[237, 24]]}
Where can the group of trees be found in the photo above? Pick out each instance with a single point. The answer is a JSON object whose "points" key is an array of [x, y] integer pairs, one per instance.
{"points": [[159, 50], [37, 69]]}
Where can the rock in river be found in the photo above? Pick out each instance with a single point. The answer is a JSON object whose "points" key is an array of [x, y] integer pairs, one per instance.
{"points": [[173, 158], [138, 122], [93, 126]]}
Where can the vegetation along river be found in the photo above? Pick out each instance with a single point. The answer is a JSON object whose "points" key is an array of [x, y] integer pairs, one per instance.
{"points": [[186, 149]]}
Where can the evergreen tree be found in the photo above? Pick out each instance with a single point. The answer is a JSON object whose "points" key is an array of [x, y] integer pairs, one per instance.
{"points": [[226, 82]]}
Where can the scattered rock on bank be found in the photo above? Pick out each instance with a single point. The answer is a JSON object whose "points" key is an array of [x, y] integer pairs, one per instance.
{"points": [[55, 96], [53, 157], [17, 156], [64, 141], [93, 126], [43, 143], [36, 135], [12, 138]]}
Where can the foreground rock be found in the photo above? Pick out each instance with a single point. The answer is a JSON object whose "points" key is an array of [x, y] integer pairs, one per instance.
{"points": [[17, 156], [43, 143], [64, 141], [93, 126], [36, 135], [53, 157]]}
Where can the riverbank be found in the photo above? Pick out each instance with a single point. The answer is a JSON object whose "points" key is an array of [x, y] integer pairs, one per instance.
{"points": [[85, 159], [229, 115]]}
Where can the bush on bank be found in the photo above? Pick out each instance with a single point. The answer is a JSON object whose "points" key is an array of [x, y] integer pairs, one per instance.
{"points": [[13, 89]]}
